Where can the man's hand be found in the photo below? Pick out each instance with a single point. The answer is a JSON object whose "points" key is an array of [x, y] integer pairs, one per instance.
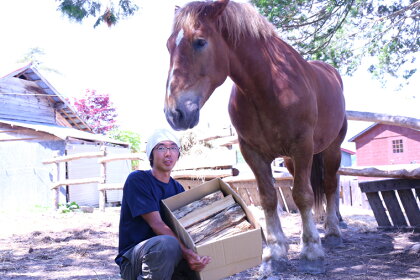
{"points": [[195, 262]]}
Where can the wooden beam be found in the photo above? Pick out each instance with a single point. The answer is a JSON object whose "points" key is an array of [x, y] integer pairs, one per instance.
{"points": [[228, 218], [378, 209], [375, 172], [228, 232], [204, 166], [110, 186], [411, 209], [132, 156], [77, 182], [72, 120], [206, 200], [389, 185], [75, 156], [204, 173], [204, 213], [408, 122]]}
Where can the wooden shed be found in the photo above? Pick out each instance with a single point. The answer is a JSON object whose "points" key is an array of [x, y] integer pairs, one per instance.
{"points": [[36, 124], [384, 144]]}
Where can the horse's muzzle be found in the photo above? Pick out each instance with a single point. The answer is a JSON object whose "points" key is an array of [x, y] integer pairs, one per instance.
{"points": [[183, 119]]}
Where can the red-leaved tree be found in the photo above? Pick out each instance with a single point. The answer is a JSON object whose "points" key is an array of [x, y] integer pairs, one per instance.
{"points": [[97, 111]]}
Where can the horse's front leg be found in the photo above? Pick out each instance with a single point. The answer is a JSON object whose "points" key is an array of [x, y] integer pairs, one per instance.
{"points": [[312, 254], [275, 252]]}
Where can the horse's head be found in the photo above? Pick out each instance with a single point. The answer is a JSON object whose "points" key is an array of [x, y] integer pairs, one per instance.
{"points": [[198, 62]]}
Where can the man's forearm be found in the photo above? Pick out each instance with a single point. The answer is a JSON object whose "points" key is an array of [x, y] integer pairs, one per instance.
{"points": [[163, 229]]}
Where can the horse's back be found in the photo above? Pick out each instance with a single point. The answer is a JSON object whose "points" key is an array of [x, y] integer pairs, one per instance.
{"points": [[326, 71]]}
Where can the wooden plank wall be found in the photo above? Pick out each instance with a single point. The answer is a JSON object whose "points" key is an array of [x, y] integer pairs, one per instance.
{"points": [[23, 105], [350, 193]]}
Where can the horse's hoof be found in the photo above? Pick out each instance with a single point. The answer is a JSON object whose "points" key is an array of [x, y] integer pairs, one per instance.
{"points": [[270, 267], [342, 225], [311, 266], [333, 241]]}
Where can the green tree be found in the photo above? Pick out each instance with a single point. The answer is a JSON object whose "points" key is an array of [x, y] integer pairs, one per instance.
{"points": [[35, 56], [343, 32], [127, 136], [110, 14], [340, 32], [131, 137]]}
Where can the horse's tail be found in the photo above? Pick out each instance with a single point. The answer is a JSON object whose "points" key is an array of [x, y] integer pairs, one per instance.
{"points": [[317, 182]]}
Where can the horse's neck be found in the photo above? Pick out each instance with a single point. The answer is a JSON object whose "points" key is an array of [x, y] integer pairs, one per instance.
{"points": [[256, 63]]}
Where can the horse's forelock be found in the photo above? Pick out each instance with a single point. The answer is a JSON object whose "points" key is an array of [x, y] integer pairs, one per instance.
{"points": [[238, 20], [186, 17]]}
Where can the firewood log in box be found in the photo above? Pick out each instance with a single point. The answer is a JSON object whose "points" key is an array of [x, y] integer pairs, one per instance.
{"points": [[222, 228]]}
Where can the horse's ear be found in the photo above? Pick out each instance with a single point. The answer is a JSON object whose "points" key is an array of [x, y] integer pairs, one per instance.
{"points": [[216, 8], [176, 9]]}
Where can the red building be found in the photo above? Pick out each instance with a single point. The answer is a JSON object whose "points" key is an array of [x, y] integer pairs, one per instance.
{"points": [[382, 144]]}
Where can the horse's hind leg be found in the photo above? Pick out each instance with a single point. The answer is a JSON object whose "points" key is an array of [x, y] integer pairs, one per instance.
{"points": [[275, 252], [312, 253], [332, 158]]}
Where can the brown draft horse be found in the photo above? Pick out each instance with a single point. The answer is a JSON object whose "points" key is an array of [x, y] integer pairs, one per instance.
{"points": [[280, 105]]}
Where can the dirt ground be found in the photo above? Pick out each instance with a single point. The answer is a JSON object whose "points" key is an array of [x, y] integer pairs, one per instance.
{"points": [[46, 245]]}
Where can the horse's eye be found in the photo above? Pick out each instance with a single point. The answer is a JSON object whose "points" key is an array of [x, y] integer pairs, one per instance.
{"points": [[199, 43]]}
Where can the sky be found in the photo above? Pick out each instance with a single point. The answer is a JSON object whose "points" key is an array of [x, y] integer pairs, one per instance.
{"points": [[130, 62]]}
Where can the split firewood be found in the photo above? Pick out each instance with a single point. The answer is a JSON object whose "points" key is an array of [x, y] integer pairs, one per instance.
{"points": [[206, 212], [228, 232], [207, 200], [225, 219]]}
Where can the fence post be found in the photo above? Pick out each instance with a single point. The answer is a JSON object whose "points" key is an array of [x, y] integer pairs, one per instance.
{"points": [[56, 190], [102, 192]]}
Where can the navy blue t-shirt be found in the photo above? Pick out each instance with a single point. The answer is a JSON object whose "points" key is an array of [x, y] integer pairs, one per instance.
{"points": [[142, 194]]}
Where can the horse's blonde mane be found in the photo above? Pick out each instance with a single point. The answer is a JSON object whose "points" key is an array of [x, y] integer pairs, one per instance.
{"points": [[237, 20]]}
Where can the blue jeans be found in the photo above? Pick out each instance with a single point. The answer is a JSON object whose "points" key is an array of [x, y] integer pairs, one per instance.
{"points": [[157, 258]]}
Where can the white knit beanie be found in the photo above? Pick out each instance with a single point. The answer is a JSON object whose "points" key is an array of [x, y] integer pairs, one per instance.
{"points": [[159, 136]]}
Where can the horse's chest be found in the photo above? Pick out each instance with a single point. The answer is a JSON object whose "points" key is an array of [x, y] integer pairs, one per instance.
{"points": [[263, 132]]}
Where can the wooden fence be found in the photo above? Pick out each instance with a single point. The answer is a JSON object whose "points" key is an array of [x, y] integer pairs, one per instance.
{"points": [[402, 209], [103, 186], [350, 193], [246, 187], [394, 202], [248, 190]]}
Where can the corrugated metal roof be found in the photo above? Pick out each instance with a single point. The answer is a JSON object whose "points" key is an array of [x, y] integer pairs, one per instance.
{"points": [[30, 73], [64, 132]]}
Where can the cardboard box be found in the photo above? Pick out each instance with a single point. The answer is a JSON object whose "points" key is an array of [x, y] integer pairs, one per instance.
{"points": [[229, 255]]}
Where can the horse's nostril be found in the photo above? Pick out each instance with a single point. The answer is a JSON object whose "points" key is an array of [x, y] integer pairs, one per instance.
{"points": [[179, 115], [191, 106]]}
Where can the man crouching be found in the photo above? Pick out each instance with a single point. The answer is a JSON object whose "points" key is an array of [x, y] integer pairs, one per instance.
{"points": [[148, 248]]}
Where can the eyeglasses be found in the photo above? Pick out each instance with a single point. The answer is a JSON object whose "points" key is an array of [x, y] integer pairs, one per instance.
{"points": [[163, 149]]}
